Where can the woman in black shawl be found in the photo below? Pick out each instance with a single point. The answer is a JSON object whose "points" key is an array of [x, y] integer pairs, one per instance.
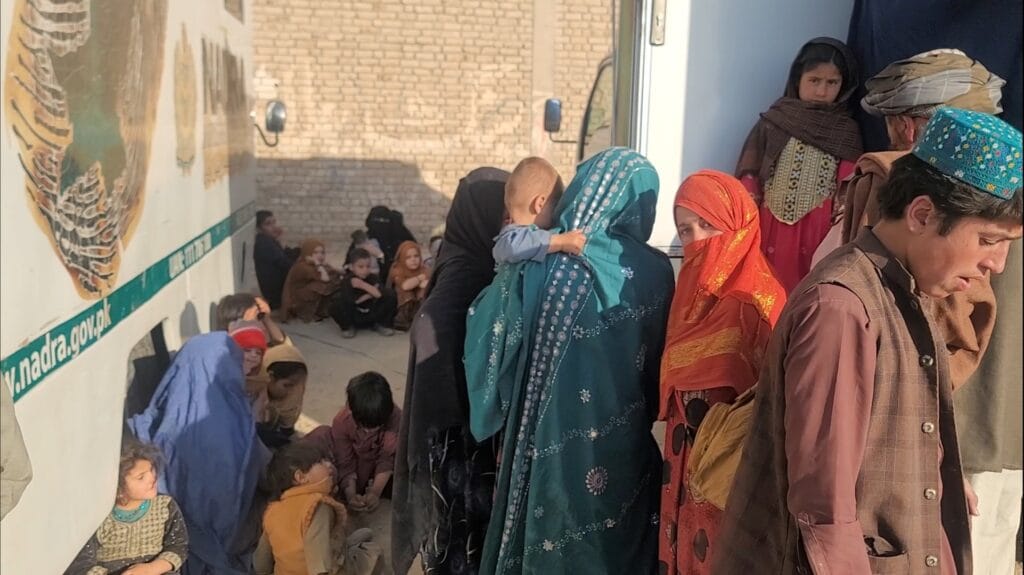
{"points": [[387, 226], [444, 480]]}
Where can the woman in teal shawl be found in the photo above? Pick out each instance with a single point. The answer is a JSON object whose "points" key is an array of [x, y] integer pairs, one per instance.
{"points": [[563, 356]]}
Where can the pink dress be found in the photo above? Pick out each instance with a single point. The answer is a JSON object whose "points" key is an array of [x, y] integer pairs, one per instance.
{"points": [[790, 248]]}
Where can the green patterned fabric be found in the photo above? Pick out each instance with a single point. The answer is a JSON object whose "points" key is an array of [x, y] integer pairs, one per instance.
{"points": [[562, 356]]}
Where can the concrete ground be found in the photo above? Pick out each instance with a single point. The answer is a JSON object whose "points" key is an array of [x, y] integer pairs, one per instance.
{"points": [[333, 361]]}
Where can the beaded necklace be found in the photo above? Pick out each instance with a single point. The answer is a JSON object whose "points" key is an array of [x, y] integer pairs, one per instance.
{"points": [[131, 516]]}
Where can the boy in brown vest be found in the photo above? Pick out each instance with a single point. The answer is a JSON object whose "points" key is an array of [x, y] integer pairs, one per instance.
{"points": [[305, 530], [852, 464]]}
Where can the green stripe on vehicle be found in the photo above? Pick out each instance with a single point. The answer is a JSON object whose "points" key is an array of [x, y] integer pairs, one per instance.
{"points": [[28, 366]]}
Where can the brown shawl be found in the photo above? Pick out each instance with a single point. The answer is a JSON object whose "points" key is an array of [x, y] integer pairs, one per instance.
{"points": [[305, 293], [828, 127], [861, 191]]}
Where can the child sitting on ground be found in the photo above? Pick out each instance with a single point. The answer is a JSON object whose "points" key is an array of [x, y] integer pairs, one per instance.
{"points": [[363, 241], [409, 278], [305, 530], [285, 373], [363, 300], [251, 337], [363, 439], [145, 532], [531, 194]]}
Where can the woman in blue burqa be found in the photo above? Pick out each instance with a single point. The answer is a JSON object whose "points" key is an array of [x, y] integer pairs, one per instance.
{"points": [[200, 419], [562, 358]]}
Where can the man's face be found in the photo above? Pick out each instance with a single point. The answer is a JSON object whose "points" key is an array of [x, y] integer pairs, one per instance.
{"points": [[271, 228], [973, 249], [903, 131]]}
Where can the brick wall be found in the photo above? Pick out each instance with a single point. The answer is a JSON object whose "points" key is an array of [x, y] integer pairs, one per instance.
{"points": [[392, 101]]}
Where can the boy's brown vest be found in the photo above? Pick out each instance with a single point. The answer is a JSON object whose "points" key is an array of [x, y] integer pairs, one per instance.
{"points": [[285, 523], [911, 413]]}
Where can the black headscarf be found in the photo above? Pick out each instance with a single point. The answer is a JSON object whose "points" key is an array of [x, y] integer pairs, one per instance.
{"points": [[435, 392], [387, 226]]}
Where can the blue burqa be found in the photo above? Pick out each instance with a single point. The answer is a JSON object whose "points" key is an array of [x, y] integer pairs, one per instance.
{"points": [[200, 419], [563, 357]]}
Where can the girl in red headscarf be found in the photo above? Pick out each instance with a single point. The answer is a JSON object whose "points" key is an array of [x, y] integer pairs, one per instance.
{"points": [[726, 303]]}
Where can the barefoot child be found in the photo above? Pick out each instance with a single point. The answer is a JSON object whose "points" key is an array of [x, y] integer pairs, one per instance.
{"points": [[362, 440], [304, 528], [145, 532], [363, 300], [531, 194], [409, 278]]}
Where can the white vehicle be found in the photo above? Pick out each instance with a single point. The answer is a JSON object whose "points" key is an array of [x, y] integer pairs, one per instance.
{"points": [[687, 80], [128, 188], [127, 155]]}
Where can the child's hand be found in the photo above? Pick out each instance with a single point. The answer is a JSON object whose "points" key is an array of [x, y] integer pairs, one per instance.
{"points": [[356, 502], [571, 242], [156, 567], [371, 501], [262, 306]]}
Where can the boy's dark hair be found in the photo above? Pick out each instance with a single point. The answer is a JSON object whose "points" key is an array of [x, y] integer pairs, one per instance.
{"points": [[359, 236], [369, 399], [232, 307], [262, 216], [285, 369], [294, 457], [133, 451], [358, 254], [911, 177]]}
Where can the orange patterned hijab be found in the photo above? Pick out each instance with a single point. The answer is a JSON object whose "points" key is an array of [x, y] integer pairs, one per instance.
{"points": [[727, 298]]}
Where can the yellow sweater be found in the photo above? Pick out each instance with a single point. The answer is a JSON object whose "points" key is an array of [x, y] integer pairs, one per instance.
{"points": [[286, 521]]}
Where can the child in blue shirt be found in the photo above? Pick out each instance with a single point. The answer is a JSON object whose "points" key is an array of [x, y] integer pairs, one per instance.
{"points": [[531, 194]]}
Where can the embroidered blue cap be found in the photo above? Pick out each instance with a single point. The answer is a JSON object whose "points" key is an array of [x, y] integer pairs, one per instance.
{"points": [[975, 148]]}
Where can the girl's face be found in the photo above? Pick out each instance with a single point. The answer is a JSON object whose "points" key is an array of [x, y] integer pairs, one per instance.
{"points": [[139, 483], [821, 83], [252, 358], [319, 256], [322, 470], [413, 260], [692, 228]]}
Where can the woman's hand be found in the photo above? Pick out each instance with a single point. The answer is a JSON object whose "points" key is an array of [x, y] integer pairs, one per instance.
{"points": [[155, 567]]}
